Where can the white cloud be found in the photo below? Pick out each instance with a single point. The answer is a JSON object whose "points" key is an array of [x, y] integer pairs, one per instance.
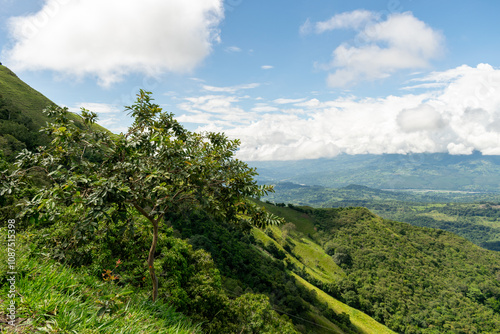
{"points": [[99, 108], [380, 48], [460, 114], [288, 101], [349, 20], [266, 67], [113, 38], [230, 89], [422, 118], [232, 49], [219, 110]]}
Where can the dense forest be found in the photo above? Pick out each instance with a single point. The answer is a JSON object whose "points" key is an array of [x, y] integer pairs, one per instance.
{"points": [[163, 230]]}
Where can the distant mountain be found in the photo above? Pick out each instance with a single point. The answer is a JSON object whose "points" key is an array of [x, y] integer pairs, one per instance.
{"points": [[436, 171]]}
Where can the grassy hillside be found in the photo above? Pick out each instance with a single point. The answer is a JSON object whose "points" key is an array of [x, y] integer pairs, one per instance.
{"points": [[21, 115], [21, 96], [53, 298], [412, 279]]}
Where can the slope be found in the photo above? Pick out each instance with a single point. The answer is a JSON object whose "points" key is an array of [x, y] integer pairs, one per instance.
{"points": [[21, 115], [412, 279]]}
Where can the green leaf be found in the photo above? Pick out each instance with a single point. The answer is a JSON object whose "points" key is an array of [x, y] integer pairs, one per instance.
{"points": [[101, 311]]}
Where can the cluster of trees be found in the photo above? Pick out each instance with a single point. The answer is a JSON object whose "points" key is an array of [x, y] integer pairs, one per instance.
{"points": [[413, 280], [247, 267], [94, 197]]}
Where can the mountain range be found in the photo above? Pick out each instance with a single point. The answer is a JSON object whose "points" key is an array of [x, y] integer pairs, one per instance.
{"points": [[423, 171]]}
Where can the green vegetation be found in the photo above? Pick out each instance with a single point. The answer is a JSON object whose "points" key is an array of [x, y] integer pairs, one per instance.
{"points": [[160, 230], [52, 298], [412, 279], [156, 168], [21, 116], [98, 197], [474, 216]]}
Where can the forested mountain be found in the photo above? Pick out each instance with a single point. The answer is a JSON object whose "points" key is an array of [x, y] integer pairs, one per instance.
{"points": [[436, 171], [160, 230], [414, 280]]}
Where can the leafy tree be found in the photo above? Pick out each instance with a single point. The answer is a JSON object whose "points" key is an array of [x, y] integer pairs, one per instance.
{"points": [[156, 168]]}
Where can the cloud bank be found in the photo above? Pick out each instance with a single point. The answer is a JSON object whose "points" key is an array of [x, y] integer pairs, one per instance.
{"points": [[110, 39], [459, 115], [380, 48]]}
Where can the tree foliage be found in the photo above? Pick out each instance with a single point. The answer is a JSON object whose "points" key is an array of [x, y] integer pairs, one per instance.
{"points": [[157, 167]]}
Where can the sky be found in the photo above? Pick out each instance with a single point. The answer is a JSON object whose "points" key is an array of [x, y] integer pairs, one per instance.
{"points": [[292, 79]]}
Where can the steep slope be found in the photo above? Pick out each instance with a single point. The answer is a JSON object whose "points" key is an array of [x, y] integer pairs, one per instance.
{"points": [[412, 279], [21, 115]]}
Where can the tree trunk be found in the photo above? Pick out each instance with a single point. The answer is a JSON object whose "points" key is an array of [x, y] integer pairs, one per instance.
{"points": [[151, 260], [151, 257]]}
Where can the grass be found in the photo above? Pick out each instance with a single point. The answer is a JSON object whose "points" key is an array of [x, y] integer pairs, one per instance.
{"points": [[311, 256], [302, 221], [23, 96], [364, 323], [52, 298], [28, 100], [315, 258]]}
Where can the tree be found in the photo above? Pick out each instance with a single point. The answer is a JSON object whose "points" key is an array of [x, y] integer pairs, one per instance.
{"points": [[156, 168]]}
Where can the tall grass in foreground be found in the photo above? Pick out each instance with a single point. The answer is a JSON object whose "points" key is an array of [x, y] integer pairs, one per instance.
{"points": [[53, 298]]}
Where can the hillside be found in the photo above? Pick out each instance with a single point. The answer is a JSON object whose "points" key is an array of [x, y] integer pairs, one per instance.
{"points": [[21, 115], [436, 171], [412, 279], [100, 216]]}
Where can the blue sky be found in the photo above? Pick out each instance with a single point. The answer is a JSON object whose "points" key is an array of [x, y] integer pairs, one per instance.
{"points": [[291, 79]]}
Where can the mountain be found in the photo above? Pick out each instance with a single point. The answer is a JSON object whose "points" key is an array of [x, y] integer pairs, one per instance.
{"points": [[21, 115], [435, 171], [412, 279]]}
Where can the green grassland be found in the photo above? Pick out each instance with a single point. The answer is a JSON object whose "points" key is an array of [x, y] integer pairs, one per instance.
{"points": [[53, 298]]}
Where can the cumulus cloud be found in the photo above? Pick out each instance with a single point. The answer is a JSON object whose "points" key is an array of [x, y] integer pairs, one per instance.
{"points": [[421, 118], [380, 48], [458, 115], [113, 38], [349, 20]]}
